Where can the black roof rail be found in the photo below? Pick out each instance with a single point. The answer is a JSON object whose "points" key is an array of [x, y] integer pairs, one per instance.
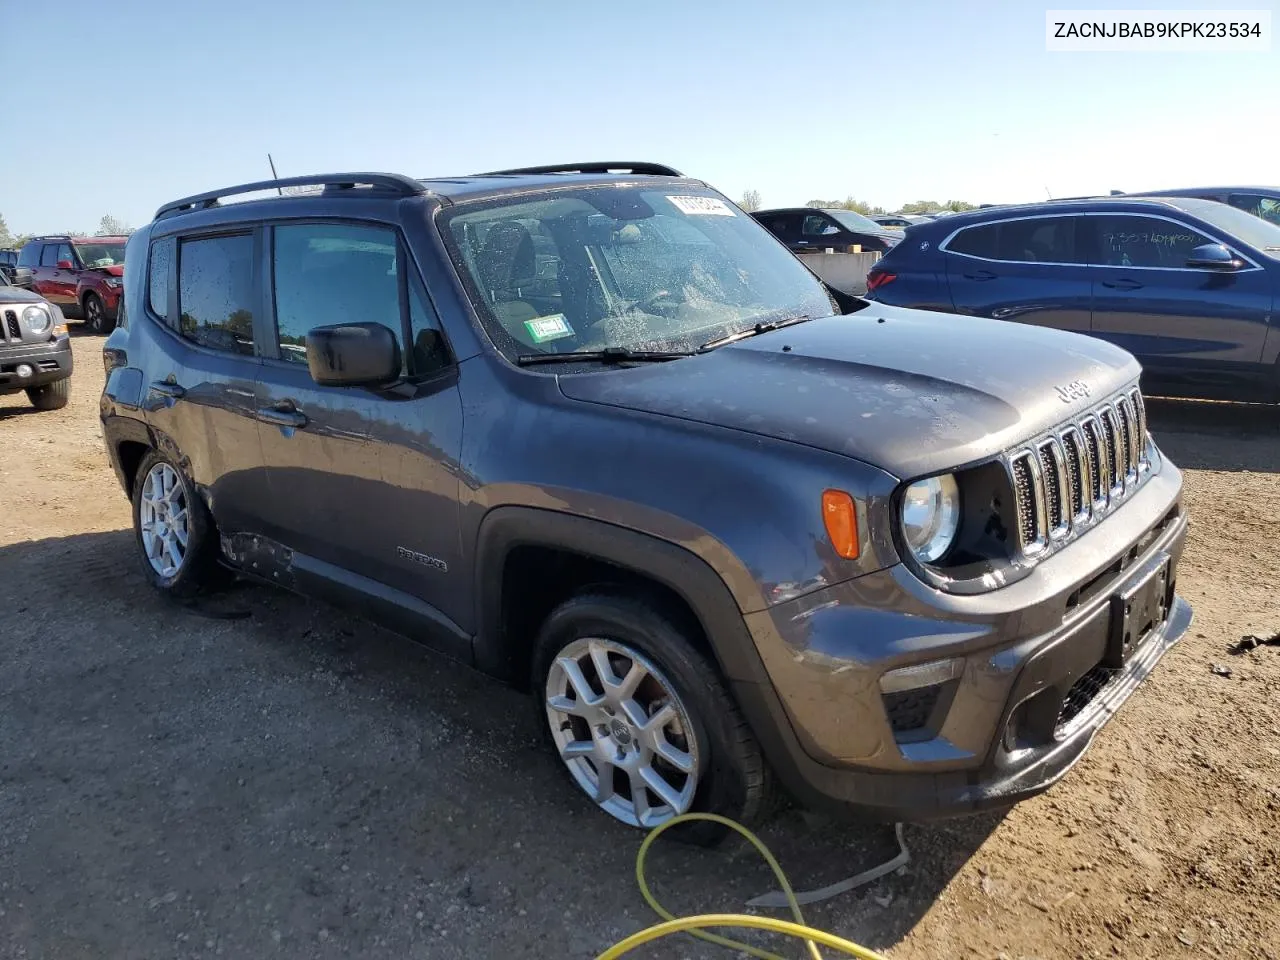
{"points": [[641, 168], [394, 183]]}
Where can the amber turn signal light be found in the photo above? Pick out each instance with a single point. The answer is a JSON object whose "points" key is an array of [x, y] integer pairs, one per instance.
{"points": [[841, 520]]}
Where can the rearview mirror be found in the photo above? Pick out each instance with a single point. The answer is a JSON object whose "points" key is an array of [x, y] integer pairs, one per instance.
{"points": [[353, 354], [1213, 256], [65, 265]]}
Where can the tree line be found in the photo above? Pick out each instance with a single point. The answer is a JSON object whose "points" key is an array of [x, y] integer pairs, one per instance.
{"points": [[108, 226], [751, 201]]}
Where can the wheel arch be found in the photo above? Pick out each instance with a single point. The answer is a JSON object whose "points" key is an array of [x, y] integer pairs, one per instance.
{"points": [[548, 556]]}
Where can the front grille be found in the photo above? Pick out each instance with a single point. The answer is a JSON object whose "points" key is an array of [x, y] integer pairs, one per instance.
{"points": [[1082, 693], [11, 325], [1069, 479]]}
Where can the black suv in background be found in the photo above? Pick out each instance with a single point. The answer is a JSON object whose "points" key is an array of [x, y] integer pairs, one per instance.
{"points": [[808, 230], [8, 264], [591, 430]]}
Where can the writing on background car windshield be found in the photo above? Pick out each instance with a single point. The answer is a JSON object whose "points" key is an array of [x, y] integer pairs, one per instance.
{"points": [[701, 206]]}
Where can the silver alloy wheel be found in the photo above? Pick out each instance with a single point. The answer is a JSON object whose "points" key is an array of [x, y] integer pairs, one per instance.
{"points": [[163, 515], [622, 731]]}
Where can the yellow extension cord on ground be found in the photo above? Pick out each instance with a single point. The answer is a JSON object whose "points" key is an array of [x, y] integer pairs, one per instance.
{"points": [[697, 926]]}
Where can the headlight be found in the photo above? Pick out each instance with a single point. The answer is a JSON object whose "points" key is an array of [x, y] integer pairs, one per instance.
{"points": [[36, 319], [931, 516], [114, 281]]}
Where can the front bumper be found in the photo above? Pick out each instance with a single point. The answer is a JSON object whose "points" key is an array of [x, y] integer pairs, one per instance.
{"points": [[1028, 696], [50, 362]]}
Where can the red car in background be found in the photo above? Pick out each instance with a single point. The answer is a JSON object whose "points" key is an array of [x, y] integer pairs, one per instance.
{"points": [[84, 276]]}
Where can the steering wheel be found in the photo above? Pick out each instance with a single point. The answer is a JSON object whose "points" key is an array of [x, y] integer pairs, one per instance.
{"points": [[655, 302]]}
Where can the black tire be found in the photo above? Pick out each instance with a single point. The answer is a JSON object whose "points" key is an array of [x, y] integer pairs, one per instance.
{"points": [[52, 396], [95, 314], [736, 782], [199, 571]]}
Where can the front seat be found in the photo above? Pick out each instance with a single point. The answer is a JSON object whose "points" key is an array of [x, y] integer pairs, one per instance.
{"points": [[506, 262]]}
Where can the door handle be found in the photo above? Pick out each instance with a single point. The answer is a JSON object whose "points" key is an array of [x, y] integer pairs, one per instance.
{"points": [[980, 275], [282, 415], [1122, 284], [165, 388]]}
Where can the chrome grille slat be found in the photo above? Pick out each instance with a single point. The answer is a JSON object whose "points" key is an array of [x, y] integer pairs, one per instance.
{"points": [[1070, 479], [1053, 469], [1077, 473], [11, 323], [1096, 454], [1024, 492], [1115, 464]]}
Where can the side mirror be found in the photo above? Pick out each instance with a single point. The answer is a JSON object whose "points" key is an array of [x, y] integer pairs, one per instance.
{"points": [[66, 265], [352, 355], [1213, 256]]}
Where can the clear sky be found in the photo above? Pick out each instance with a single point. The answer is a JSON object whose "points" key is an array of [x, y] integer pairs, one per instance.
{"points": [[116, 108]]}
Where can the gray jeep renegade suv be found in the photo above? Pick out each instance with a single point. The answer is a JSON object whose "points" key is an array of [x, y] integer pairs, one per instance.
{"points": [[592, 430]]}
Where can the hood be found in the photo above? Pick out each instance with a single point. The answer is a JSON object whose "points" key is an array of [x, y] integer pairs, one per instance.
{"points": [[10, 294], [909, 391], [115, 270]]}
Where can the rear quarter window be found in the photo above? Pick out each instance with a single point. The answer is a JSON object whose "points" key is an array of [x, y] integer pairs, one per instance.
{"points": [[977, 241], [160, 276]]}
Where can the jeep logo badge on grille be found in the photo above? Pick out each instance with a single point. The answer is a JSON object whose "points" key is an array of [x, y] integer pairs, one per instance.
{"points": [[1075, 390]]}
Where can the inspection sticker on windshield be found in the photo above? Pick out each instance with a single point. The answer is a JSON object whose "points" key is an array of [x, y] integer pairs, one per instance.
{"points": [[705, 206], [551, 327]]}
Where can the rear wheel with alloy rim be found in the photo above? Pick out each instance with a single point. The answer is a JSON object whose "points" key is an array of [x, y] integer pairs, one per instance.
{"points": [[176, 538], [641, 719]]}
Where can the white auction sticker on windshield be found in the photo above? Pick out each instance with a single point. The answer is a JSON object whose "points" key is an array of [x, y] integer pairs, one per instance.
{"points": [[703, 206]]}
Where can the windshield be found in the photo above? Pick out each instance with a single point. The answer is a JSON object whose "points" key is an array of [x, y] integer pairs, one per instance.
{"points": [[101, 254], [631, 267], [855, 221], [1243, 226]]}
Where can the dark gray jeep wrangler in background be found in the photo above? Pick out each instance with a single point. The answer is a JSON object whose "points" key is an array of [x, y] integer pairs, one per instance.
{"points": [[593, 430]]}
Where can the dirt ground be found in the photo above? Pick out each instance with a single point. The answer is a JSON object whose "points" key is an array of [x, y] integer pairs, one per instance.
{"points": [[287, 781]]}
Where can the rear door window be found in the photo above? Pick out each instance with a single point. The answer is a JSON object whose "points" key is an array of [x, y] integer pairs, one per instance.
{"points": [[216, 292], [1028, 240], [781, 225], [1038, 240], [49, 258], [1135, 241]]}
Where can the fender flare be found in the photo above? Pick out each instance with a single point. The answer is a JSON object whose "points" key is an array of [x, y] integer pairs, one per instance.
{"points": [[674, 567]]}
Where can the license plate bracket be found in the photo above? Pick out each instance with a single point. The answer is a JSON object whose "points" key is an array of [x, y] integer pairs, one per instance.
{"points": [[1138, 610]]}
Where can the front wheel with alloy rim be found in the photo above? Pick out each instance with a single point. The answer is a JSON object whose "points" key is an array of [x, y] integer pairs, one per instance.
{"points": [[95, 314], [175, 535], [641, 720]]}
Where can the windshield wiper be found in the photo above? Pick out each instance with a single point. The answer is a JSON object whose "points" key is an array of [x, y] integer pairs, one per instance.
{"points": [[762, 327], [607, 355]]}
